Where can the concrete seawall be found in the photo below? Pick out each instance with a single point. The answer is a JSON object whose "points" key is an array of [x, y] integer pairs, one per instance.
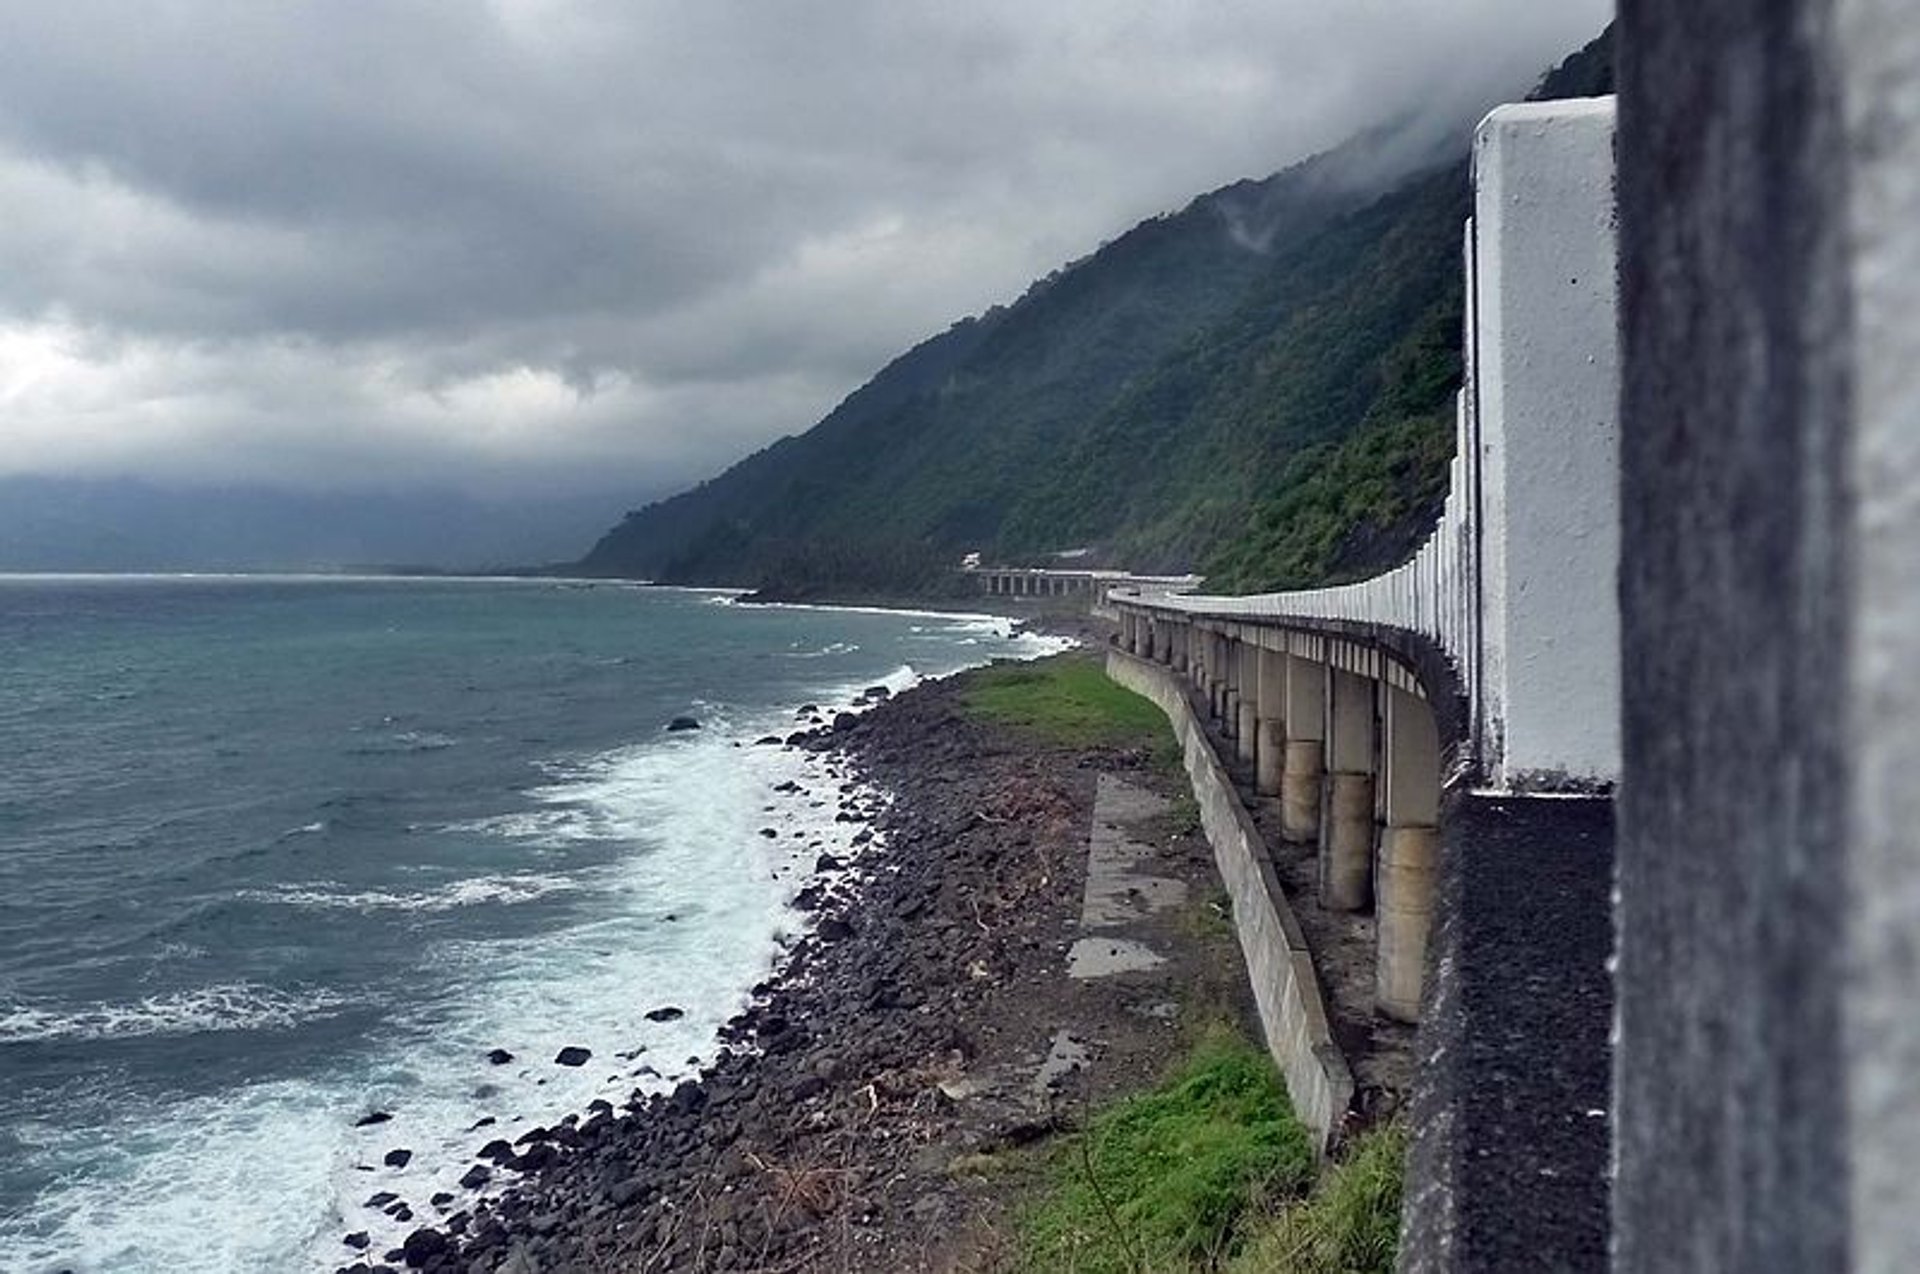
{"points": [[1293, 1013]]}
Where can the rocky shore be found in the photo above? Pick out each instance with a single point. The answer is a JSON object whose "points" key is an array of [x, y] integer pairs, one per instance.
{"points": [[927, 1019]]}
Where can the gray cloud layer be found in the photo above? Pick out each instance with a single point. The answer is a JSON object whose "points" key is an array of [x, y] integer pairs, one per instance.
{"points": [[534, 243]]}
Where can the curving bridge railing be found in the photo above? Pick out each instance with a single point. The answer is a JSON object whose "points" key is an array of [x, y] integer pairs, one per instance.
{"points": [[1515, 587]]}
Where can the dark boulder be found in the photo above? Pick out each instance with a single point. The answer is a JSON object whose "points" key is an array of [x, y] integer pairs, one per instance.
{"points": [[573, 1055], [679, 724], [666, 1013], [397, 1158], [422, 1246], [368, 1121], [499, 1056], [476, 1177]]}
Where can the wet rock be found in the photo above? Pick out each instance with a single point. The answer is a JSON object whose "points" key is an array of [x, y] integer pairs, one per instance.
{"points": [[423, 1245], [368, 1121], [475, 1177], [397, 1158], [496, 1151], [573, 1055], [679, 724], [767, 740], [359, 1240], [834, 929], [380, 1200], [844, 721], [499, 1056], [666, 1013]]}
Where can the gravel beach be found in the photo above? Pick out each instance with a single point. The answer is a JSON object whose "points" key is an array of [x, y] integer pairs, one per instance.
{"points": [[965, 988]]}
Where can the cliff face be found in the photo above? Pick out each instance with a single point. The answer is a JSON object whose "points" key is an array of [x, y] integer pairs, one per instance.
{"points": [[1258, 385]]}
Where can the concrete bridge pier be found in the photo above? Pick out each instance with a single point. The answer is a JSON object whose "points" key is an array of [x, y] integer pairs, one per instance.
{"points": [[1409, 853], [1306, 734], [1230, 697], [1222, 680], [1246, 723], [1346, 833], [1182, 647], [1270, 721]]}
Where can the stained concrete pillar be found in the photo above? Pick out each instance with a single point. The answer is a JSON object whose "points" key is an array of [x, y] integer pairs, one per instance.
{"points": [[1306, 735], [1182, 645], [1346, 833], [1409, 853], [1246, 724], [1230, 696], [1271, 723], [1222, 678]]}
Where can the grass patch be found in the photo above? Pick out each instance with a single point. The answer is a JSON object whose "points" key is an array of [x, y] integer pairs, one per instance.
{"points": [[1068, 700], [1168, 1179], [1350, 1224]]}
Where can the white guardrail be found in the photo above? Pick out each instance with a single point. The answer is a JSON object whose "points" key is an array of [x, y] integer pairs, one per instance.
{"points": [[1516, 584]]}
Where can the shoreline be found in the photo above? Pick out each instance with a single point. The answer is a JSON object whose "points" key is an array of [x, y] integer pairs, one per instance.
{"points": [[823, 1129]]}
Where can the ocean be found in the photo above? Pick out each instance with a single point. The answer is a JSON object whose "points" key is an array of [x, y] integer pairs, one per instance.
{"points": [[278, 855]]}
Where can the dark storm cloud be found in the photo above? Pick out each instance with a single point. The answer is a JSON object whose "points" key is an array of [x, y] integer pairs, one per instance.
{"points": [[337, 243]]}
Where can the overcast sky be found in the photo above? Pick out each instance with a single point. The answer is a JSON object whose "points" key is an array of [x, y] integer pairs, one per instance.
{"points": [[533, 244]]}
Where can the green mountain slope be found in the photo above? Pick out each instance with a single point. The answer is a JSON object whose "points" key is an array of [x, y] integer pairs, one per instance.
{"points": [[1256, 385]]}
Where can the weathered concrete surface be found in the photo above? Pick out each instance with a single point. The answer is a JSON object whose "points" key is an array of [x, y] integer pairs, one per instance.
{"points": [[1292, 1011], [1737, 526], [1507, 1165], [1770, 231], [1546, 361]]}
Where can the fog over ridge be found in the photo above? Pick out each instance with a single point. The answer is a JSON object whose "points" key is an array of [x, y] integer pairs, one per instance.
{"points": [[529, 246]]}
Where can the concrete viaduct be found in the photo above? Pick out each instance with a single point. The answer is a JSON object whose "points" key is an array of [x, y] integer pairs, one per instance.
{"points": [[1022, 581], [1675, 590]]}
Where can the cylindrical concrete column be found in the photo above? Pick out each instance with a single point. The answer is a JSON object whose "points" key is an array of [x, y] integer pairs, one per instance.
{"points": [[1217, 674], [1409, 848], [1346, 848], [1409, 859], [1247, 726], [1230, 679], [1347, 832], [1271, 753], [1306, 739]]}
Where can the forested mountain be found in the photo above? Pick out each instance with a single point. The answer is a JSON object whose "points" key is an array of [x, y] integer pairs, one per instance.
{"points": [[1258, 386]]}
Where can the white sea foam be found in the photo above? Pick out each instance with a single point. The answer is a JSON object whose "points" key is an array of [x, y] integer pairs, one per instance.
{"points": [[238, 1006], [503, 890], [690, 912]]}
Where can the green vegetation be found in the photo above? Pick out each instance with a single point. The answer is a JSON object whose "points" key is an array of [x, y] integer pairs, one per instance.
{"points": [[1349, 1225], [1209, 1171], [1068, 700], [1258, 385], [1168, 1180]]}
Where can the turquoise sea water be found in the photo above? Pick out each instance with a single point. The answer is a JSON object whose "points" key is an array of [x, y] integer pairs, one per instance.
{"points": [[279, 853]]}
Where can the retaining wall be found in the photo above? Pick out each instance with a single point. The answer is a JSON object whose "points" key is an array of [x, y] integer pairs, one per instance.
{"points": [[1293, 1013]]}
